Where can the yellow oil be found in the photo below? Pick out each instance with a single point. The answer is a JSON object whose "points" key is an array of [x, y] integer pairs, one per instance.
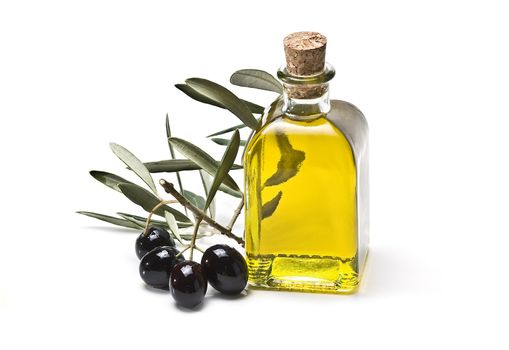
{"points": [[301, 231]]}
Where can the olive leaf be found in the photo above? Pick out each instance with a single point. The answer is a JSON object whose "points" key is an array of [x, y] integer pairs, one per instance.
{"points": [[173, 165], [113, 181], [109, 179], [226, 163], [134, 221], [289, 164], [251, 134], [224, 98], [172, 225], [270, 207], [197, 200], [206, 180], [257, 79], [206, 162], [162, 224], [195, 95], [168, 135], [253, 107], [172, 153], [134, 164], [148, 201], [232, 128], [110, 219], [142, 221], [225, 142]]}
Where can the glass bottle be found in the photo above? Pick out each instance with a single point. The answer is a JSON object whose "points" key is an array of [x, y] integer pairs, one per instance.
{"points": [[306, 178]]}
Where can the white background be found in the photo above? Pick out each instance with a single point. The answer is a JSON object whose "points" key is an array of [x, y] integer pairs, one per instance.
{"points": [[431, 77]]}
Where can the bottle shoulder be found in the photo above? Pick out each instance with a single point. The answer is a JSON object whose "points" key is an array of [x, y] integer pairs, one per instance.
{"points": [[351, 121], [343, 116], [341, 112], [348, 111], [287, 125]]}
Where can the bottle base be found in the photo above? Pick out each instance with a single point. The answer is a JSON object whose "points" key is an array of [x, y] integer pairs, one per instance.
{"points": [[303, 273]]}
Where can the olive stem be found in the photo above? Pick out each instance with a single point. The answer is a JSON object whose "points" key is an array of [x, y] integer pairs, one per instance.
{"points": [[182, 251], [193, 240], [149, 217], [169, 188], [236, 214]]}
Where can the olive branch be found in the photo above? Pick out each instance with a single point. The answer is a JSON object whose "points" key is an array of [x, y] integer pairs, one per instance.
{"points": [[215, 175]]}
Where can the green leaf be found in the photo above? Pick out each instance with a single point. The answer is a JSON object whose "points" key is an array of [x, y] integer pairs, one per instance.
{"points": [[189, 91], [231, 192], [195, 95], [136, 222], [141, 223], [257, 79], [240, 126], [253, 107], [206, 180], [289, 164], [110, 219], [251, 134], [225, 142], [206, 162], [224, 98], [270, 207], [168, 135], [134, 164], [143, 220], [148, 201], [172, 225], [172, 153], [109, 179], [173, 165], [197, 200], [226, 163]]}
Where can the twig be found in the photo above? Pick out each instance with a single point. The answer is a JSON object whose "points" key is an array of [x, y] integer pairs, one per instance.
{"points": [[179, 180], [193, 241], [182, 251], [169, 188], [159, 205], [236, 214]]}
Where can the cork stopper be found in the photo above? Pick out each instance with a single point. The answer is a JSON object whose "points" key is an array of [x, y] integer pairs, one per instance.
{"points": [[305, 53]]}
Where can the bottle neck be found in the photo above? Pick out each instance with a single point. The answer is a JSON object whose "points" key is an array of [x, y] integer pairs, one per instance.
{"points": [[306, 101], [306, 97]]}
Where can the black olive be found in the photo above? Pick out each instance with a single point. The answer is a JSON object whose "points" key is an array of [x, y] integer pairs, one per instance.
{"points": [[156, 266], [225, 269], [155, 237], [188, 284]]}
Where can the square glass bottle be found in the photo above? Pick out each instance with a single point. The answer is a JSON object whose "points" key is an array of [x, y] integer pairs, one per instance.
{"points": [[306, 178]]}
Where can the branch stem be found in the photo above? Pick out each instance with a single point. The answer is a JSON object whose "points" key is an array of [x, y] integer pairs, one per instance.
{"points": [[169, 188], [193, 240], [149, 217], [182, 251], [236, 214]]}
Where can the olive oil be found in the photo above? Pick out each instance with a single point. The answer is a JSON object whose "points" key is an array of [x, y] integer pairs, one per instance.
{"points": [[306, 191]]}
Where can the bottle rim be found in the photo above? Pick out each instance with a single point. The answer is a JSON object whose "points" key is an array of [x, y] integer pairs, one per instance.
{"points": [[323, 77]]}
